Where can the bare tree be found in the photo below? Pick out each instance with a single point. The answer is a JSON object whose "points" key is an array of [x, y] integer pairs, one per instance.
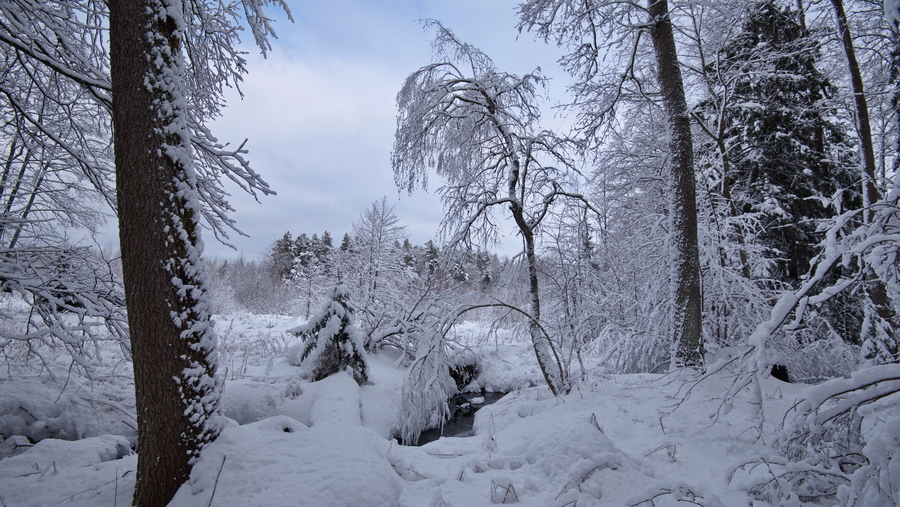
{"points": [[55, 107], [592, 30], [55, 178], [376, 262], [477, 128], [878, 295]]}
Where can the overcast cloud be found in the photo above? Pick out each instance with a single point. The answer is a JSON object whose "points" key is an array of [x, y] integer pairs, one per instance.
{"points": [[319, 111]]}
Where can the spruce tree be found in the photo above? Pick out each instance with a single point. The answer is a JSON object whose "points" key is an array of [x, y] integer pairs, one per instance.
{"points": [[281, 257], [331, 342], [346, 243], [786, 152]]}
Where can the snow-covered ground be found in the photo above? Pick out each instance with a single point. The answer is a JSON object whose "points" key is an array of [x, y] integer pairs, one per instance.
{"points": [[614, 440]]}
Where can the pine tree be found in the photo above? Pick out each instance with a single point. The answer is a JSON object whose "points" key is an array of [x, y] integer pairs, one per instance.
{"points": [[331, 342], [173, 340], [323, 253], [302, 250], [430, 258]]}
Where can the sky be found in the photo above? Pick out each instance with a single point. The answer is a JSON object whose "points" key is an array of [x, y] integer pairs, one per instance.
{"points": [[319, 111]]}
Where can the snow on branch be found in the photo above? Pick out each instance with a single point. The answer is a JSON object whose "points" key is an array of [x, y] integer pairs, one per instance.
{"points": [[75, 299]]}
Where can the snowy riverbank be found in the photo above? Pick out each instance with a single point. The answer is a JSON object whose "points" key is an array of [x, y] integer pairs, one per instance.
{"points": [[614, 440]]}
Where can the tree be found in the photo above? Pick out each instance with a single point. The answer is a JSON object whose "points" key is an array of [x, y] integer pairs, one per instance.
{"points": [[377, 265], [55, 178], [877, 292], [585, 28], [477, 128], [892, 14], [784, 151], [173, 342], [331, 342], [281, 256], [682, 187], [426, 389], [173, 345], [323, 253], [60, 98], [55, 104]]}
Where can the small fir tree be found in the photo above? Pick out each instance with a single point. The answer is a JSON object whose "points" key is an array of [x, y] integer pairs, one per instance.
{"points": [[331, 342]]}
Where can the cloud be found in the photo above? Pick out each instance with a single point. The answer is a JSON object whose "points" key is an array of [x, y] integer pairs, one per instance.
{"points": [[319, 111], [321, 136]]}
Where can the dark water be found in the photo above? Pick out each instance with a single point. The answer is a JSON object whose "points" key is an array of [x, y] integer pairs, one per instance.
{"points": [[462, 416]]}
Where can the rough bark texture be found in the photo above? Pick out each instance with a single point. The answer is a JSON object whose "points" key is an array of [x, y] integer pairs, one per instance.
{"points": [[172, 344], [876, 290], [894, 22], [688, 329], [863, 125]]}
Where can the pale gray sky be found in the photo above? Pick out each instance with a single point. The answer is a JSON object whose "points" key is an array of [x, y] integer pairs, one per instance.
{"points": [[319, 112]]}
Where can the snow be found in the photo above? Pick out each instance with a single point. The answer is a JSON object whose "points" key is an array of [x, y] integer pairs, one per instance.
{"points": [[288, 441], [892, 11], [280, 461]]}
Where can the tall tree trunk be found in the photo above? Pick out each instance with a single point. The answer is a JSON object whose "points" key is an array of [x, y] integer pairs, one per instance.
{"points": [[688, 328], [173, 344], [876, 290], [893, 18], [863, 125], [547, 358]]}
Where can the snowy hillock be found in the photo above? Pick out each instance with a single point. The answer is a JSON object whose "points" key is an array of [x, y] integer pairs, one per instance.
{"points": [[615, 440], [279, 461]]}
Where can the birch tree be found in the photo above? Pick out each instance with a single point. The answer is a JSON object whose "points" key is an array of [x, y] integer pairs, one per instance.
{"points": [[477, 128]]}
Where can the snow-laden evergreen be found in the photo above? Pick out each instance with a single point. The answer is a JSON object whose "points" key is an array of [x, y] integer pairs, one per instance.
{"points": [[331, 342]]}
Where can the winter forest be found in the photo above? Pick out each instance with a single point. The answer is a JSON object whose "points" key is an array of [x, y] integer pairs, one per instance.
{"points": [[701, 306]]}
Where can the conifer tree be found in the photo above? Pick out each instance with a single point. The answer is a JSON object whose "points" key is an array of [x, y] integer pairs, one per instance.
{"points": [[281, 256], [786, 152], [331, 342]]}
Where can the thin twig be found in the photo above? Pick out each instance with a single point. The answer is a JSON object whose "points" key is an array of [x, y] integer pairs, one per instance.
{"points": [[216, 484]]}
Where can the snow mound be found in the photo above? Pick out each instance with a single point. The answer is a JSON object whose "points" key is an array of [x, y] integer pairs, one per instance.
{"points": [[506, 368], [336, 401], [39, 407], [286, 463], [247, 400], [602, 445], [52, 455]]}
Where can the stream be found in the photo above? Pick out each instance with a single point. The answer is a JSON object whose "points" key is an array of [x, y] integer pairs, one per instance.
{"points": [[462, 416]]}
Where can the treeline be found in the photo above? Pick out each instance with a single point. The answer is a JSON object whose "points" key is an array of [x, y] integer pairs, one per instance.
{"points": [[306, 257], [376, 262]]}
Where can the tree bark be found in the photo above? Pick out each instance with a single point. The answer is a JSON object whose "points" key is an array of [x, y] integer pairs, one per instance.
{"points": [[173, 345], [543, 349], [863, 125], [875, 288], [688, 329]]}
